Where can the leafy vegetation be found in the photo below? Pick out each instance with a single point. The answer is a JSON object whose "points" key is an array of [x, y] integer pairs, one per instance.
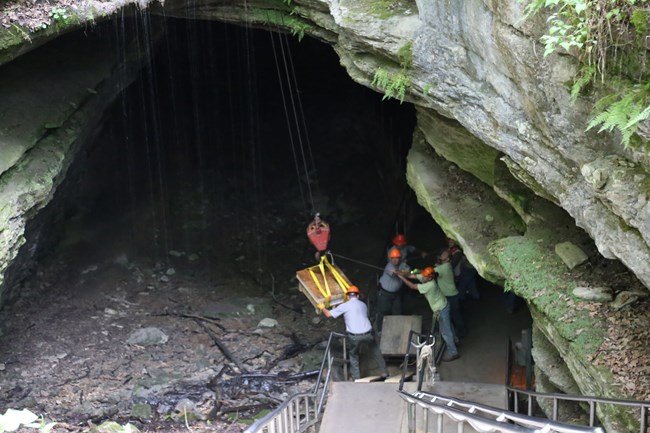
{"points": [[395, 85], [286, 17], [608, 38]]}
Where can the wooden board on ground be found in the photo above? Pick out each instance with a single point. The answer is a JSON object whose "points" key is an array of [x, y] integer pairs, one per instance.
{"points": [[308, 286], [395, 334], [398, 377], [369, 379]]}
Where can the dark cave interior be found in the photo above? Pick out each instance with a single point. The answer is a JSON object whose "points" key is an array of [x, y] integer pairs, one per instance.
{"points": [[225, 114]]}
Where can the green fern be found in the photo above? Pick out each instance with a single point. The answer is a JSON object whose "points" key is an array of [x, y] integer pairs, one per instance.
{"points": [[393, 85], [605, 37], [622, 113], [585, 76], [405, 55]]}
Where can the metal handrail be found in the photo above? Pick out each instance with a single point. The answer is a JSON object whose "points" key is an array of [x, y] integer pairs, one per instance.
{"points": [[484, 418], [302, 410], [513, 394], [593, 402], [407, 356]]}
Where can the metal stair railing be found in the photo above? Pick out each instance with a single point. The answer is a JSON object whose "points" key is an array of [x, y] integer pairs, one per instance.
{"points": [[514, 393], [482, 418], [302, 410], [418, 341], [643, 406]]}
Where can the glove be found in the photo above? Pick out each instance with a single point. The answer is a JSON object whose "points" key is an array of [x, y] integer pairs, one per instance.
{"points": [[320, 306]]}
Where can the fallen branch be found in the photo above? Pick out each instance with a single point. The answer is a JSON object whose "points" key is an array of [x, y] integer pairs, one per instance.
{"points": [[214, 322], [247, 407], [282, 376], [288, 307], [221, 347], [290, 351]]}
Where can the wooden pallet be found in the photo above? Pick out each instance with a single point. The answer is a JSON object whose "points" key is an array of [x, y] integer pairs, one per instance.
{"points": [[308, 286]]}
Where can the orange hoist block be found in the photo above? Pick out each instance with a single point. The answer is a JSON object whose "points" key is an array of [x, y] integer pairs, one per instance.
{"points": [[323, 283], [319, 235]]}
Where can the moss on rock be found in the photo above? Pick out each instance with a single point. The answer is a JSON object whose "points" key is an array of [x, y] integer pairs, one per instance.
{"points": [[537, 274], [463, 207], [453, 142]]}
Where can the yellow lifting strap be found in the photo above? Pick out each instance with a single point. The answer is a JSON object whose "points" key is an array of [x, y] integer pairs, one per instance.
{"points": [[327, 294], [339, 279]]}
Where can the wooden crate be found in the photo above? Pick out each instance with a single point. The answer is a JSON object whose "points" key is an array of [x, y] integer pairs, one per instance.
{"points": [[308, 286]]}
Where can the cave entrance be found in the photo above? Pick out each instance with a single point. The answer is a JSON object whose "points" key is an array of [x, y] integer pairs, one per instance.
{"points": [[228, 142], [196, 190]]}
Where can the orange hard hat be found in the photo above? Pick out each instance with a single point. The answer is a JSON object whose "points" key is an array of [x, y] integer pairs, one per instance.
{"points": [[394, 253], [428, 271], [353, 289], [399, 240]]}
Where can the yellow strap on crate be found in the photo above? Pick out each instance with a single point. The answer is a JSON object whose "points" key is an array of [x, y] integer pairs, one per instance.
{"points": [[337, 276], [327, 294], [321, 265]]}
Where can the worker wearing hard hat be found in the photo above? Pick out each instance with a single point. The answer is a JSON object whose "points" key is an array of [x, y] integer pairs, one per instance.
{"points": [[401, 244], [359, 331], [438, 302], [448, 287], [389, 297]]}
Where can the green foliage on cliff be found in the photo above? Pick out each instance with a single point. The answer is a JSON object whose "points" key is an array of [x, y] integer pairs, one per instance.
{"points": [[285, 19], [396, 84], [534, 272], [609, 40]]}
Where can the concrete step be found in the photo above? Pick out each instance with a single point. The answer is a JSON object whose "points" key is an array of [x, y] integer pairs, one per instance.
{"points": [[378, 408]]}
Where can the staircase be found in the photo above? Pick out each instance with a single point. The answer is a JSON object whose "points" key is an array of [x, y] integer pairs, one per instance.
{"points": [[422, 407], [379, 407]]}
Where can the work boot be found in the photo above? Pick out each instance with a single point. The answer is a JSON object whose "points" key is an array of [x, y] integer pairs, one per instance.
{"points": [[448, 358]]}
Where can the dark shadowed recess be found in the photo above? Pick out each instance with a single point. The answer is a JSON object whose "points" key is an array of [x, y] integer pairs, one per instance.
{"points": [[231, 128]]}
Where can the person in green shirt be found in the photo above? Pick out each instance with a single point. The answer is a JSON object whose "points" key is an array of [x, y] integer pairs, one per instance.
{"points": [[448, 288], [438, 302]]}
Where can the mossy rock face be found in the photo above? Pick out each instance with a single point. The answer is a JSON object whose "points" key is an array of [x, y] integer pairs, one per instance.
{"points": [[464, 207], [522, 176], [548, 360], [536, 273], [451, 141], [384, 9]]}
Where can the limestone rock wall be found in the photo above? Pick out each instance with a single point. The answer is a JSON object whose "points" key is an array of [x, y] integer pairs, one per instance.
{"points": [[53, 100]]}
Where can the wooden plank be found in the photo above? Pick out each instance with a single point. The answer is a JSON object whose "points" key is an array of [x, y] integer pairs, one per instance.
{"points": [[398, 377], [395, 334], [369, 379], [309, 288]]}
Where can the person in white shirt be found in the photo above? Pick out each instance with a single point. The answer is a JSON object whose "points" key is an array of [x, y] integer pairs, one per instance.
{"points": [[359, 331]]}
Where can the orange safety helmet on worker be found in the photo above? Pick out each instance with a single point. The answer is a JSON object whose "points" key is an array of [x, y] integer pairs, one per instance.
{"points": [[428, 271], [394, 254], [353, 289]]}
